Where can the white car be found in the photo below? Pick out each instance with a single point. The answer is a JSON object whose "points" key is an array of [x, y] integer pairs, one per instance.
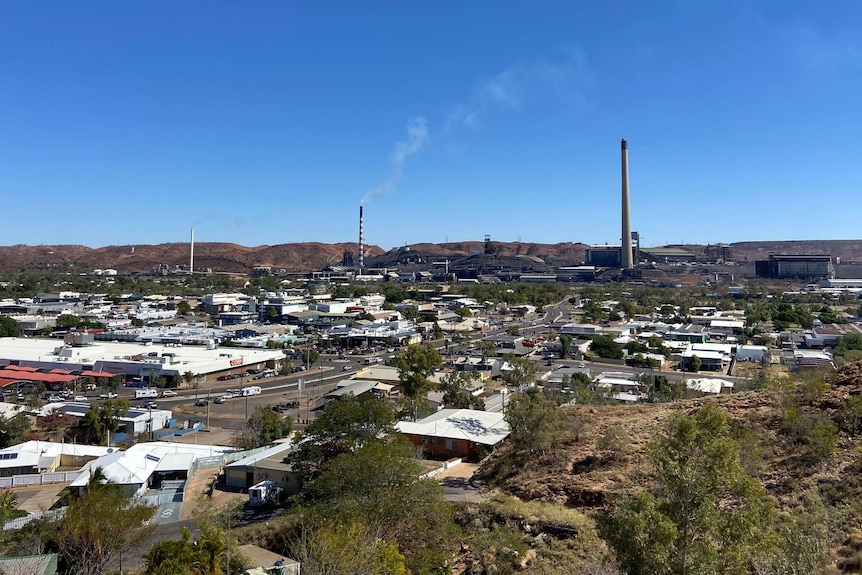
{"points": [[80, 398], [169, 393], [109, 395]]}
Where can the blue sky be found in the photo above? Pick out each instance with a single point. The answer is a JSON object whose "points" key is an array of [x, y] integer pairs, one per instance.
{"points": [[269, 122]]}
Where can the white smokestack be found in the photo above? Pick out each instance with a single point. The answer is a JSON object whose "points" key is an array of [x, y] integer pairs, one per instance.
{"points": [[192, 253], [626, 258], [361, 242]]}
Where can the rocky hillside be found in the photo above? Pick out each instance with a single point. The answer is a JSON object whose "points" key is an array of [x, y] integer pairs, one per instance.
{"points": [[779, 446]]}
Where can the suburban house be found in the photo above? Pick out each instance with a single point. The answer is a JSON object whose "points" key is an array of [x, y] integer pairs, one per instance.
{"points": [[450, 433]]}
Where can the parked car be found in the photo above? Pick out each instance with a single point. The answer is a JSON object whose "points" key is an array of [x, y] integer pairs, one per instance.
{"points": [[297, 368], [169, 393]]}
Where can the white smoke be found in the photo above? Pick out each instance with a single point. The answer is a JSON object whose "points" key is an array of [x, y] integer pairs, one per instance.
{"points": [[417, 133]]}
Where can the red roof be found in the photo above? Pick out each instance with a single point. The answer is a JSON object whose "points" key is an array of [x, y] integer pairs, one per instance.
{"points": [[61, 371], [21, 368], [31, 376], [6, 381], [89, 373]]}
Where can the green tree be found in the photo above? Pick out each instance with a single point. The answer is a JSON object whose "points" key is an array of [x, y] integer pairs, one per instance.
{"points": [[310, 357], [99, 527], [695, 364], [378, 485], [184, 307], [566, 344], [605, 346], [534, 422], [67, 321], [415, 365], [707, 515], [8, 327], [513, 329], [13, 430], [99, 421], [9, 506], [263, 427], [520, 371], [328, 548], [344, 426], [457, 393]]}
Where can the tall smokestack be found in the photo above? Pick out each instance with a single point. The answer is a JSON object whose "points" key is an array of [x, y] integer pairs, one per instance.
{"points": [[626, 258], [192, 254], [361, 242]]}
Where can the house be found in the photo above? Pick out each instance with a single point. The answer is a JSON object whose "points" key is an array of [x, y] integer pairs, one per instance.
{"points": [[46, 456], [267, 465], [449, 433], [709, 385], [31, 564]]}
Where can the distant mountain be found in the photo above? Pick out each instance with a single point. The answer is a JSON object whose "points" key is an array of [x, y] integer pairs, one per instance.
{"points": [[299, 257]]}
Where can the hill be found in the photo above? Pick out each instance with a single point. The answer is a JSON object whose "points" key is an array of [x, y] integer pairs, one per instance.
{"points": [[777, 428], [301, 257]]}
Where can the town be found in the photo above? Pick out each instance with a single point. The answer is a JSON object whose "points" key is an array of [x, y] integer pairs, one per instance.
{"points": [[166, 396]]}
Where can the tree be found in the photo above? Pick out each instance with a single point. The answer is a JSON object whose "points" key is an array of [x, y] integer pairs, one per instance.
{"points": [[513, 329], [263, 427], [210, 554], [330, 547], [457, 393], [415, 365], [695, 363], [184, 307], [99, 421], [8, 327], [534, 422], [310, 357], [344, 426], [521, 371], [378, 485], [707, 515], [13, 430], [605, 346], [566, 345], [9, 507], [99, 527], [67, 321]]}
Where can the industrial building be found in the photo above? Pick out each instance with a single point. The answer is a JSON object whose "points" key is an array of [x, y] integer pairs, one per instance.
{"points": [[795, 267]]}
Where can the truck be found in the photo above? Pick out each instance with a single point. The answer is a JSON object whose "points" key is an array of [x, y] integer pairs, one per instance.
{"points": [[371, 360], [146, 393], [251, 390]]}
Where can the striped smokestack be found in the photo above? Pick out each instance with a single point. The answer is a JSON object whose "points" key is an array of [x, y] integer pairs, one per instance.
{"points": [[361, 242], [626, 257], [192, 253]]}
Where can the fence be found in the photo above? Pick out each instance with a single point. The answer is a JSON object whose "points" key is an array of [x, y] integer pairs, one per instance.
{"points": [[38, 479], [219, 460], [20, 522]]}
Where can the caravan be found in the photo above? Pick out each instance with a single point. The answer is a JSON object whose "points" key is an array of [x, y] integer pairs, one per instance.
{"points": [[251, 390], [146, 393]]}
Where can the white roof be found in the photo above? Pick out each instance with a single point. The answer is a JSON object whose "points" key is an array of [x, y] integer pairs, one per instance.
{"points": [[477, 426], [29, 453], [9, 410], [274, 450], [708, 385], [135, 465]]}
